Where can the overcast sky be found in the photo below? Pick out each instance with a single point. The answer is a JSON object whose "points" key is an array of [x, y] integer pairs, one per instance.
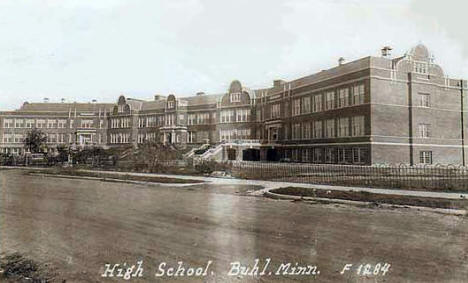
{"points": [[83, 50]]}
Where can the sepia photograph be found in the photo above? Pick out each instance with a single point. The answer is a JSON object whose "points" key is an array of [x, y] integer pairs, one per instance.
{"points": [[233, 141]]}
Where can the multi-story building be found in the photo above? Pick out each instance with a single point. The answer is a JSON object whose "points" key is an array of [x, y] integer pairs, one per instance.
{"points": [[368, 111], [76, 124]]}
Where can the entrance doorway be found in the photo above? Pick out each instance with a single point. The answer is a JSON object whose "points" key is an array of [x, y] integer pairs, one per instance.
{"points": [[231, 153], [272, 154], [251, 154]]}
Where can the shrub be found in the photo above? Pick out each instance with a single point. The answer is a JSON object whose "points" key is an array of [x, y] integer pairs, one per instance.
{"points": [[209, 166]]}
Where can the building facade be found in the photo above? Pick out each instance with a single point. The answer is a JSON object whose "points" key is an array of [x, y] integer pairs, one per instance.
{"points": [[67, 124], [369, 111]]}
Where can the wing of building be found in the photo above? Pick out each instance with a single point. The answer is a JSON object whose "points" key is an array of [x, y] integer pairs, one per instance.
{"points": [[368, 111]]}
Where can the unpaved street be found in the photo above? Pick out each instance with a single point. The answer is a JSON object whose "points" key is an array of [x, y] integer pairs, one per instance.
{"points": [[80, 225]]}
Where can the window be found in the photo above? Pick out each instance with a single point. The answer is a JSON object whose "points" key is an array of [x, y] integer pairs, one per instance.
{"points": [[62, 124], [296, 107], [41, 123], [30, 123], [258, 115], [306, 105], [424, 130], [306, 131], [359, 155], [243, 115], [151, 121], [8, 123], [19, 123], [295, 155], [358, 94], [318, 133], [235, 97], [51, 138], [86, 124], [141, 123], [330, 155], [51, 124], [190, 137], [206, 118], [305, 155], [330, 128], [227, 135], [420, 67], [330, 100], [317, 106], [227, 116], [296, 131], [318, 155], [273, 134], [275, 111], [170, 119], [203, 118], [343, 100], [425, 157], [424, 100], [114, 123], [71, 123], [192, 119], [343, 127], [150, 137], [161, 120], [60, 138], [341, 155], [357, 126], [8, 138], [19, 138], [123, 138], [170, 104], [243, 134]]}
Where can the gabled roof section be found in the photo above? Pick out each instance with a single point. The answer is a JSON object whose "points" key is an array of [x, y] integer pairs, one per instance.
{"points": [[135, 104]]}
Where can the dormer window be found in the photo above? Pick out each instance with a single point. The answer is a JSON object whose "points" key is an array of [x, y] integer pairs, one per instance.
{"points": [[236, 97], [420, 67], [170, 104]]}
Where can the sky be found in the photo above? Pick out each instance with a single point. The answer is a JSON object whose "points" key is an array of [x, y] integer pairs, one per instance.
{"points": [[86, 49]]}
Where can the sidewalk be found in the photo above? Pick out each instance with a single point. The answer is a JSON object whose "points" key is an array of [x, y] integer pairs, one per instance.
{"points": [[270, 185]]}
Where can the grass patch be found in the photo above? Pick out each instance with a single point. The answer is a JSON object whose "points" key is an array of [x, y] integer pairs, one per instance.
{"points": [[126, 177], [16, 268], [375, 198]]}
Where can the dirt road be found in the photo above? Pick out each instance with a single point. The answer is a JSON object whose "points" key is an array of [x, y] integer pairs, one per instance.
{"points": [[80, 225]]}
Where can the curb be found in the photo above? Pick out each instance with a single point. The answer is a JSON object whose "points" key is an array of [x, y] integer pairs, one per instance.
{"points": [[457, 212], [103, 179]]}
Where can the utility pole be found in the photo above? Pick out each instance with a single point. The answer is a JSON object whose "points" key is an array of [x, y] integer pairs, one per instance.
{"points": [[410, 118], [462, 121]]}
